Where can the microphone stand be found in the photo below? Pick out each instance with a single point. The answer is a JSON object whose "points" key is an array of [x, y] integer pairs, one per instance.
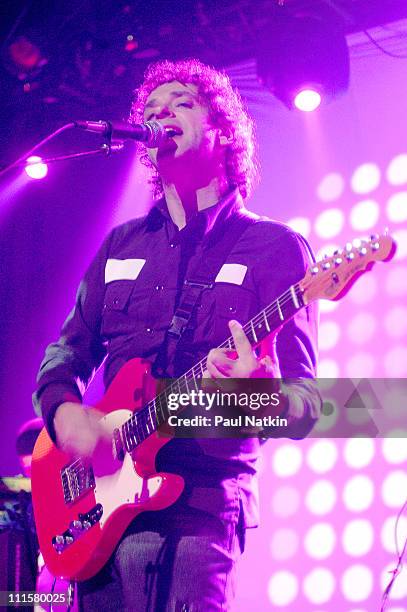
{"points": [[105, 149]]}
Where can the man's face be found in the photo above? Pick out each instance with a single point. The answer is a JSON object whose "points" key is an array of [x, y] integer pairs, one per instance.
{"points": [[178, 106]]}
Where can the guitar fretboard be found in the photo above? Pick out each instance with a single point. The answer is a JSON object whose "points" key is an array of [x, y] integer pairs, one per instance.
{"points": [[156, 412]]}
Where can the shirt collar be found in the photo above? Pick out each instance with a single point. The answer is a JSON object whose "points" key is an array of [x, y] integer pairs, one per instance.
{"points": [[206, 221]]}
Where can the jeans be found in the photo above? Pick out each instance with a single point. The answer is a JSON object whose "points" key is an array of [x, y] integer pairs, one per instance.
{"points": [[175, 560]]}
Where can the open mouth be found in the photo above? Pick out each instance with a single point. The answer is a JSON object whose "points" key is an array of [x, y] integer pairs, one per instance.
{"points": [[173, 130]]}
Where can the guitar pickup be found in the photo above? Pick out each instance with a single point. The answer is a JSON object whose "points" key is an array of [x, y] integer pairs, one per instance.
{"points": [[118, 448]]}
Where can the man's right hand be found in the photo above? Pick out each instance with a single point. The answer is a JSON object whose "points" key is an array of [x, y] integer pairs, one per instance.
{"points": [[77, 428]]}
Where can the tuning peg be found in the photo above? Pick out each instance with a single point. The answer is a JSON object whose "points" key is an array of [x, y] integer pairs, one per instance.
{"points": [[374, 237], [326, 265], [350, 256], [348, 247], [362, 251], [314, 270], [338, 260]]}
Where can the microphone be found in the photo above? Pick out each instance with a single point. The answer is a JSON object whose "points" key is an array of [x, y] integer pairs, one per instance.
{"points": [[152, 133]]}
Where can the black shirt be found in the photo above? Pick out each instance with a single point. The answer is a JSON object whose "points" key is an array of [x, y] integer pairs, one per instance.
{"points": [[124, 306]]}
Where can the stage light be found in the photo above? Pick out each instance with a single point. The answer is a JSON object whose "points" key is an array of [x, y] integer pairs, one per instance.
{"points": [[397, 170], [364, 215], [394, 450], [328, 368], [307, 100], [321, 497], [400, 236], [329, 334], [287, 460], [322, 456], [319, 585], [283, 588], [358, 493], [397, 207], [302, 225], [387, 532], [302, 52], [357, 582], [285, 501], [395, 322], [36, 170], [396, 284], [357, 538], [319, 541], [284, 544], [361, 328], [360, 365], [395, 362], [365, 178], [331, 187], [359, 452], [329, 223]]}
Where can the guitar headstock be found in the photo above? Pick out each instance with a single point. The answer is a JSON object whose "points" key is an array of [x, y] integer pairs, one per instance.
{"points": [[333, 276]]}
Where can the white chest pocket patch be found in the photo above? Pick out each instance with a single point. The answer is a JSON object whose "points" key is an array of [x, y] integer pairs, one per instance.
{"points": [[231, 273], [123, 269]]}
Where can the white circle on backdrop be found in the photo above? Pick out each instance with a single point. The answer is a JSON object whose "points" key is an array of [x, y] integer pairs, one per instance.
{"points": [[397, 170], [399, 589], [365, 178], [329, 223], [320, 540], [359, 452], [388, 535], [319, 585], [358, 537], [396, 281], [395, 362], [364, 290], [400, 236], [397, 207], [285, 501], [394, 450], [322, 456], [321, 497], [361, 328], [395, 322], [394, 489], [287, 460], [331, 187], [357, 582], [328, 368], [329, 334], [284, 544], [282, 588], [364, 215], [302, 225], [358, 493]]}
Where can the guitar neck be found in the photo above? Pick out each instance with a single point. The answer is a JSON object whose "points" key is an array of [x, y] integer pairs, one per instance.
{"points": [[147, 420]]}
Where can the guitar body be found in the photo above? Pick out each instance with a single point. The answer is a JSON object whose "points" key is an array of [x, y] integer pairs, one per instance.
{"points": [[82, 507], [96, 518]]}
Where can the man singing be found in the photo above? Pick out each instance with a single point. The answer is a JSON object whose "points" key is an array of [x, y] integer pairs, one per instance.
{"points": [[197, 247]]}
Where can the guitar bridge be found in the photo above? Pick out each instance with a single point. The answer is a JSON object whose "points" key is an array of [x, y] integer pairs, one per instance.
{"points": [[77, 478]]}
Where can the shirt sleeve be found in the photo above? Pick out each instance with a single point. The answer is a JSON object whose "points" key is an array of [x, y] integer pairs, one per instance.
{"points": [[285, 263], [70, 363]]}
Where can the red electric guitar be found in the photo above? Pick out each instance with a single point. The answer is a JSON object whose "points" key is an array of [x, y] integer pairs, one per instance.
{"points": [[82, 507]]}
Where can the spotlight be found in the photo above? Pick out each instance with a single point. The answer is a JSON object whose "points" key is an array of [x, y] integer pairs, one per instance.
{"points": [[35, 169], [303, 59], [307, 100]]}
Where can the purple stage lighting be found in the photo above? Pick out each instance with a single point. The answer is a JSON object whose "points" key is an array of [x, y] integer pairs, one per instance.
{"points": [[307, 100], [36, 170]]}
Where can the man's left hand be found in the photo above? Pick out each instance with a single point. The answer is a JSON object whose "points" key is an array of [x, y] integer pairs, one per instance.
{"points": [[242, 363]]}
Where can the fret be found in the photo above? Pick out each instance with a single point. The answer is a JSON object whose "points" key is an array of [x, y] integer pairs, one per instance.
{"points": [[194, 379], [201, 365], [294, 296], [230, 343], [280, 313], [266, 323], [253, 331], [151, 418]]}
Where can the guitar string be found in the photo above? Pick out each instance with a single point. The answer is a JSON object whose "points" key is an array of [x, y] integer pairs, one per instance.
{"points": [[139, 420]]}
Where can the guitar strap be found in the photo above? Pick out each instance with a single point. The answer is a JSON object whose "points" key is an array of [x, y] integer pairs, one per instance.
{"points": [[200, 278]]}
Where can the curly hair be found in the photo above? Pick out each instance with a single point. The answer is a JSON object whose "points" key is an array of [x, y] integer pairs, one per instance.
{"points": [[226, 110]]}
